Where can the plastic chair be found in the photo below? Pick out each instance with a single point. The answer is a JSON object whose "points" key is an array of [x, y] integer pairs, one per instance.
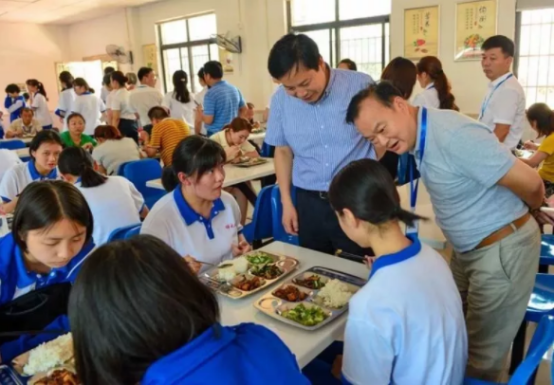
{"points": [[279, 233], [122, 168], [267, 151], [540, 344], [542, 298], [547, 250], [132, 232], [261, 226], [121, 233], [12, 144], [141, 171]]}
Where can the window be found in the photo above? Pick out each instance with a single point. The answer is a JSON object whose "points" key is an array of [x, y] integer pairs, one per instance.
{"points": [[186, 44], [354, 29], [535, 60]]}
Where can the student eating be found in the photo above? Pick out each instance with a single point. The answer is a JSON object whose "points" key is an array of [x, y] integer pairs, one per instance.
{"points": [[75, 137], [198, 219], [179, 340], [45, 148], [51, 236]]}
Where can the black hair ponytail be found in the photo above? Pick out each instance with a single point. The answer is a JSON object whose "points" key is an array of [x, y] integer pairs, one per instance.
{"points": [[77, 162], [39, 85], [432, 66], [180, 84], [170, 181], [366, 188], [543, 116]]}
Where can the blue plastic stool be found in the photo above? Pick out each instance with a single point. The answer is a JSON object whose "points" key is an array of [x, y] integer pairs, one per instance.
{"points": [[279, 233], [541, 342], [12, 144], [547, 250], [141, 171], [132, 232], [121, 233], [261, 226]]}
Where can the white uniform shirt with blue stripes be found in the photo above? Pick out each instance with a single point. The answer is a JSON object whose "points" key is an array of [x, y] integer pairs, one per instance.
{"points": [[65, 105], [187, 232], [428, 98], [115, 203], [92, 108], [321, 140], [20, 176], [406, 325], [42, 113]]}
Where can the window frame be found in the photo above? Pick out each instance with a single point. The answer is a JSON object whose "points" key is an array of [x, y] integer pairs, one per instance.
{"points": [[336, 25], [188, 45]]}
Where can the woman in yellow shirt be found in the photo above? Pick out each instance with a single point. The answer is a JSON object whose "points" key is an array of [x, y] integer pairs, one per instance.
{"points": [[541, 118]]}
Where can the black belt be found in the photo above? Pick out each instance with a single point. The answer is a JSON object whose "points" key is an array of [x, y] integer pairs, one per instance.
{"points": [[323, 195]]}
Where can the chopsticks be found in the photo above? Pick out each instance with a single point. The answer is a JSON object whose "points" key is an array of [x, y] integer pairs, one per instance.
{"points": [[349, 256], [32, 332]]}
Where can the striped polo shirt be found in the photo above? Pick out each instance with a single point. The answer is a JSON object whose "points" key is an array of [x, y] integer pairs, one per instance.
{"points": [[222, 101], [317, 133], [166, 135]]}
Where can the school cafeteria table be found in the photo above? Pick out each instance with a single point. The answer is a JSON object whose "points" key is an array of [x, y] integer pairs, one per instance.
{"points": [[260, 136], [305, 345], [233, 174], [22, 152]]}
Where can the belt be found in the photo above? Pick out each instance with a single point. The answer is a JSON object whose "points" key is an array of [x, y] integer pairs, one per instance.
{"points": [[504, 232], [323, 195]]}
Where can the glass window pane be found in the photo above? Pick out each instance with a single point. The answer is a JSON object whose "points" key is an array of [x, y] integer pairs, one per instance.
{"points": [[202, 27], [355, 9], [214, 52], [387, 45], [544, 39], [524, 40], [172, 63], [199, 57], [364, 45], [174, 32], [322, 40], [185, 63], [312, 11]]}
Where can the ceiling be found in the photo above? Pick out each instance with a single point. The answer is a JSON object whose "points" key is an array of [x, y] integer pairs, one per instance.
{"points": [[61, 11]]}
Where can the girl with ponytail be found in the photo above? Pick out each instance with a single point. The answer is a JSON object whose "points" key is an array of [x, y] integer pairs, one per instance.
{"points": [[39, 103], [410, 309], [541, 118], [437, 91], [181, 102], [114, 201]]}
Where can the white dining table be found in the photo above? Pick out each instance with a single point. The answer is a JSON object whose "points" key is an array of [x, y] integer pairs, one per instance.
{"points": [[22, 152], [258, 137], [233, 174], [305, 345]]}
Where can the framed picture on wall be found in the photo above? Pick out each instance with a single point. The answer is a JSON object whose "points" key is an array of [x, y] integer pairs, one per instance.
{"points": [[150, 57], [421, 32], [475, 23]]}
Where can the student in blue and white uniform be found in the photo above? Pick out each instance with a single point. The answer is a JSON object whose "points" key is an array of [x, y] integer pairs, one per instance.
{"points": [[67, 98], [8, 159], [114, 201], [88, 104], [39, 103], [14, 102], [436, 88], [180, 102], [197, 218], [406, 325], [179, 340], [123, 116], [45, 148], [51, 236]]}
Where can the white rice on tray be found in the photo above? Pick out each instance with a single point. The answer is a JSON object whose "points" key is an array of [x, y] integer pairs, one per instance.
{"points": [[335, 294], [49, 355]]}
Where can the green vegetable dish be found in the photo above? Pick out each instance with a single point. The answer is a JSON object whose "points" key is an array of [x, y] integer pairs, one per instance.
{"points": [[306, 316], [259, 258]]}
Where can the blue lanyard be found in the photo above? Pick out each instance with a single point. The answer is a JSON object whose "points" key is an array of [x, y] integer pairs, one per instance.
{"points": [[423, 136], [486, 102]]}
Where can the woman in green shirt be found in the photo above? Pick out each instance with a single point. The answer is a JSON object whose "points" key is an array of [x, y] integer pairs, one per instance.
{"points": [[74, 137]]}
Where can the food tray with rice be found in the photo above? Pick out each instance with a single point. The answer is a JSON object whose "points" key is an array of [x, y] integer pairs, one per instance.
{"points": [[249, 162], [246, 275], [49, 363], [312, 299]]}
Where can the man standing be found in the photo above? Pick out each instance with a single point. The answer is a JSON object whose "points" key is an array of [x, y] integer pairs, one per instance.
{"points": [[503, 109], [481, 195], [199, 127], [25, 126], [167, 133], [313, 142], [223, 102], [145, 96]]}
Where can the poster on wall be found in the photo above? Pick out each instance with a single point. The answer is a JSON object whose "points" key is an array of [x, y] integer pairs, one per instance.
{"points": [[150, 55], [226, 59], [421, 32], [475, 23]]}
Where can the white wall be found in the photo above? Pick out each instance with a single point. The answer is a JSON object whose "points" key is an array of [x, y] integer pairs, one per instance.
{"points": [[468, 81], [30, 51]]}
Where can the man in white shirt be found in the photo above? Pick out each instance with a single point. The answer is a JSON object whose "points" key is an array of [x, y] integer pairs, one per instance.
{"points": [[503, 109], [146, 96], [24, 126], [199, 128]]}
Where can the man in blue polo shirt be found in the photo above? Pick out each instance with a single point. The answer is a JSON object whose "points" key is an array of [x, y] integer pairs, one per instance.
{"points": [[312, 139], [223, 102]]}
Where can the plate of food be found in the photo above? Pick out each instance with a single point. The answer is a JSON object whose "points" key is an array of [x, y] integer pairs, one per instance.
{"points": [[243, 276], [246, 162], [312, 299]]}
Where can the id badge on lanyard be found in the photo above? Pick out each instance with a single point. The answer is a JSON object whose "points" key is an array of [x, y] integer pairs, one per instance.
{"points": [[414, 185], [486, 102]]}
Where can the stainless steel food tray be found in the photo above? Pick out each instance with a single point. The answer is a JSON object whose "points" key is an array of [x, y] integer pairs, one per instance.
{"points": [[253, 162], [210, 277], [273, 306], [8, 376]]}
